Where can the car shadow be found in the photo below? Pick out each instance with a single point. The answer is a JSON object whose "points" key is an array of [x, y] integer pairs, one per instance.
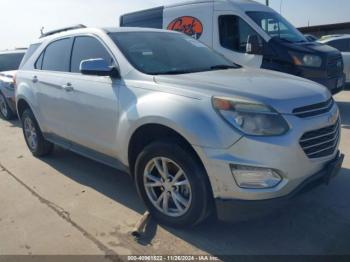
{"points": [[314, 223]]}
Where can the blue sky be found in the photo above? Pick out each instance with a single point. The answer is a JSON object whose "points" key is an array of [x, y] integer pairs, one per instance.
{"points": [[21, 20]]}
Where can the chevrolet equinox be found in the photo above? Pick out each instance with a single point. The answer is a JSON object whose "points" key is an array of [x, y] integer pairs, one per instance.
{"points": [[193, 129]]}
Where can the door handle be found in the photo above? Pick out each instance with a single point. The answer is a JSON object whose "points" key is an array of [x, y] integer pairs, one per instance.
{"points": [[35, 79], [68, 87]]}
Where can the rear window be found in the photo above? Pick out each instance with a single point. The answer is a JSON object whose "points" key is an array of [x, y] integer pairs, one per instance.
{"points": [[57, 56], [28, 54], [9, 62]]}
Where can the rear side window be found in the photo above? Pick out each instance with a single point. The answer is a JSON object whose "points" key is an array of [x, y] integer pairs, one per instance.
{"points": [[39, 62], [57, 56], [343, 45], [11, 61], [234, 33], [152, 18], [86, 47], [29, 53]]}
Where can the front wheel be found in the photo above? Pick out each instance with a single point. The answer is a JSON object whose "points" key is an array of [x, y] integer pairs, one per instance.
{"points": [[33, 136], [173, 185]]}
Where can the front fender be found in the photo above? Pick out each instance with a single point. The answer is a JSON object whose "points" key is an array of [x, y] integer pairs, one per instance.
{"points": [[192, 118]]}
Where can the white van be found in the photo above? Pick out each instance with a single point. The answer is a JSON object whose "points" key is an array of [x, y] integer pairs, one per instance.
{"points": [[250, 34]]}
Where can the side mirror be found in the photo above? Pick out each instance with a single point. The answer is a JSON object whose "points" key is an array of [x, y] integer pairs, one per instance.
{"points": [[98, 67], [254, 45]]}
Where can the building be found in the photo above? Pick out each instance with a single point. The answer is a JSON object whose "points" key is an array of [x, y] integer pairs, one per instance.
{"points": [[330, 29]]}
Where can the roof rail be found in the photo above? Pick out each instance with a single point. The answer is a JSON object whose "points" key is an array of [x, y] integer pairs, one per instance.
{"points": [[61, 30]]}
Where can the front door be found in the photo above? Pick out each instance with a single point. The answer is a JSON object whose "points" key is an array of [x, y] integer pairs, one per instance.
{"points": [[230, 36], [92, 101]]}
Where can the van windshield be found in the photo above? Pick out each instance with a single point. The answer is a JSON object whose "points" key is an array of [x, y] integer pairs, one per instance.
{"points": [[276, 26], [158, 53]]}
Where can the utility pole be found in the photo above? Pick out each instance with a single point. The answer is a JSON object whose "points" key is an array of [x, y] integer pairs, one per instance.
{"points": [[267, 2]]}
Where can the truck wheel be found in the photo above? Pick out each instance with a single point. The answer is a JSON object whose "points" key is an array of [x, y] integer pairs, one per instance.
{"points": [[173, 185], [33, 136], [5, 110]]}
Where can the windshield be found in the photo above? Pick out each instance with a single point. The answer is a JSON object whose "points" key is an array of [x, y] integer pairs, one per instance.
{"points": [[276, 26], [157, 53], [9, 62]]}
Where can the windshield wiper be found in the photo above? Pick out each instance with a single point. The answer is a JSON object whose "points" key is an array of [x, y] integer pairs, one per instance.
{"points": [[175, 72], [219, 67]]}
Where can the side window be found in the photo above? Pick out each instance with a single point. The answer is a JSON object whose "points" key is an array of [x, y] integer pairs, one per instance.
{"points": [[39, 62], [342, 45], [86, 47], [234, 33], [57, 56]]}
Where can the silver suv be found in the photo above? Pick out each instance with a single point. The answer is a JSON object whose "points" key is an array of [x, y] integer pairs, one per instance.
{"points": [[194, 130]]}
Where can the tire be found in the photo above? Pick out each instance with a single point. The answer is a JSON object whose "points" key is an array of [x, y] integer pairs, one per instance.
{"points": [[5, 110], [194, 191], [33, 135]]}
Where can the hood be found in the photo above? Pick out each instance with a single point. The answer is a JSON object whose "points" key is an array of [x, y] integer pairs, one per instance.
{"points": [[281, 91], [308, 47]]}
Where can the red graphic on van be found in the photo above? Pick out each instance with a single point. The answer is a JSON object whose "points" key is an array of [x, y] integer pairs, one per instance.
{"points": [[187, 24]]}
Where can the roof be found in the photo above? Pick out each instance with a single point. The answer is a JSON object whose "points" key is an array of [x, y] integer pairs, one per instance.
{"points": [[328, 27], [14, 51]]}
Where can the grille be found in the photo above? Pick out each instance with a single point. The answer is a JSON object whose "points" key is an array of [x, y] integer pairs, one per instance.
{"points": [[322, 142], [314, 110], [335, 66]]}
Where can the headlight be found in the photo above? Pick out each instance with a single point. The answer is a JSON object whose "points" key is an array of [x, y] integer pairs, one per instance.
{"points": [[300, 59], [8, 85], [250, 117]]}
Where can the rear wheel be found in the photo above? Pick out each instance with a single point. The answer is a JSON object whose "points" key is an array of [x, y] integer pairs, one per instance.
{"points": [[5, 110], [173, 185], [33, 135]]}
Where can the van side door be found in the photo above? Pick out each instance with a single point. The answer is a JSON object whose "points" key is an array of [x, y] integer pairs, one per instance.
{"points": [[92, 100], [193, 19], [230, 38]]}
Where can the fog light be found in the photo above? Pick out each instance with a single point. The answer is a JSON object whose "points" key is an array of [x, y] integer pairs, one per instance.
{"points": [[255, 177]]}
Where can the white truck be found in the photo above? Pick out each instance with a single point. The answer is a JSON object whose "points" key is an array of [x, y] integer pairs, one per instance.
{"points": [[249, 34]]}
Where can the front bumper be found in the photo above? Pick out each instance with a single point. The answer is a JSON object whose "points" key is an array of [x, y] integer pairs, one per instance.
{"points": [[283, 154], [227, 209], [334, 85]]}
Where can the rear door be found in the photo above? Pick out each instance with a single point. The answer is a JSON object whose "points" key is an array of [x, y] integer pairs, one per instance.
{"points": [[92, 101], [51, 67]]}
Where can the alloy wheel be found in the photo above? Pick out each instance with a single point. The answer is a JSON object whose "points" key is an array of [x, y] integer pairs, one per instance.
{"points": [[30, 133], [167, 187], [3, 106]]}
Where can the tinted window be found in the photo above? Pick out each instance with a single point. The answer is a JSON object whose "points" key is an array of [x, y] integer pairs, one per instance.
{"points": [[86, 47], [10, 62], [57, 56], [152, 18], [29, 53], [342, 45], [168, 53], [234, 33]]}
